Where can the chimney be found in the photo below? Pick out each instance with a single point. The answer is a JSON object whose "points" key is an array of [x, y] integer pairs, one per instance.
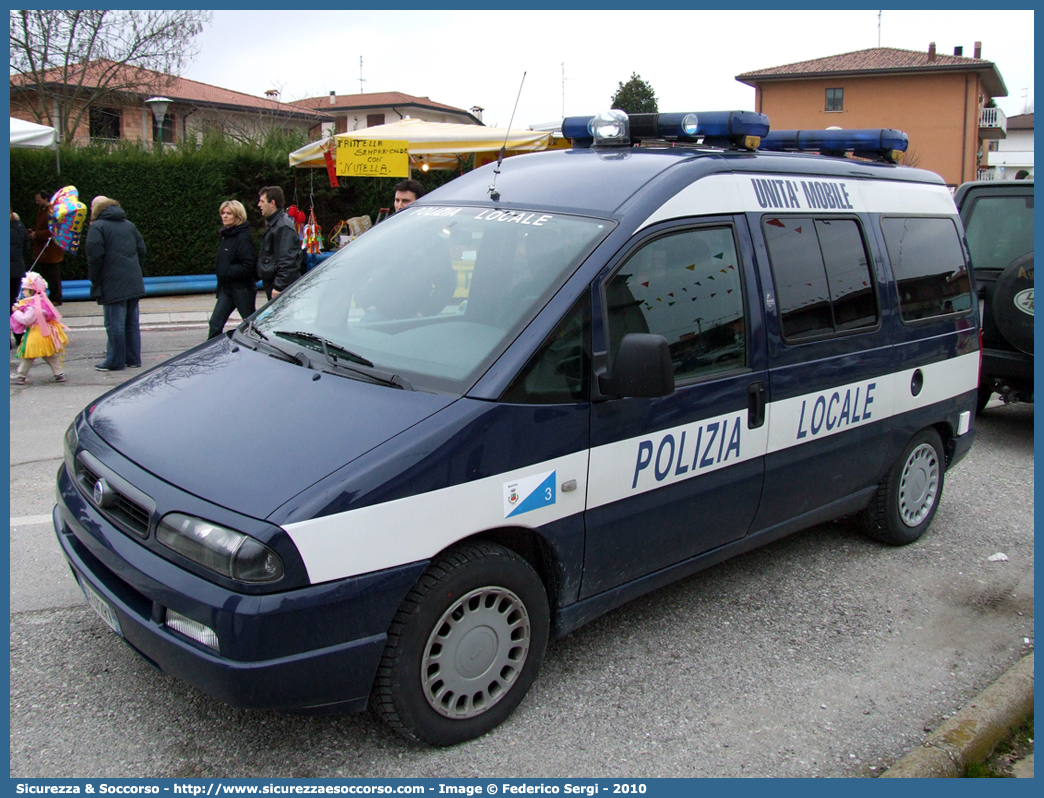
{"points": [[333, 97], [931, 52], [476, 111], [978, 49], [958, 51]]}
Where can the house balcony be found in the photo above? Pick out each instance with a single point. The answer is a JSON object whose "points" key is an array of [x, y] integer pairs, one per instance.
{"points": [[993, 124]]}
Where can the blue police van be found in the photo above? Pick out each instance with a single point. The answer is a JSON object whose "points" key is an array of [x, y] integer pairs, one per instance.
{"points": [[546, 388]]}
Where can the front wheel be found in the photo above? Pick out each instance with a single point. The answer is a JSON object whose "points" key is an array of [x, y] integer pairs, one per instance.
{"points": [[983, 397], [464, 647], [909, 495]]}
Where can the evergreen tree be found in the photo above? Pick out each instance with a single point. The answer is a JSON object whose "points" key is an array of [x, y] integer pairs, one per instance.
{"points": [[635, 96]]}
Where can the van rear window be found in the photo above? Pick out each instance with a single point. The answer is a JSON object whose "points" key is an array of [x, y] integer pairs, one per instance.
{"points": [[929, 267], [999, 230]]}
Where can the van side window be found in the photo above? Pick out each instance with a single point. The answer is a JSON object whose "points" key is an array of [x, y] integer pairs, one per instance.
{"points": [[928, 263], [559, 371], [686, 287], [822, 276]]}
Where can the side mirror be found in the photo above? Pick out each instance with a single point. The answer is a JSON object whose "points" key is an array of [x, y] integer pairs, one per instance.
{"points": [[642, 369]]}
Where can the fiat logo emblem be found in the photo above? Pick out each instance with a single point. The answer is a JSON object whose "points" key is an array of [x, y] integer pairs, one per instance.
{"points": [[104, 495]]}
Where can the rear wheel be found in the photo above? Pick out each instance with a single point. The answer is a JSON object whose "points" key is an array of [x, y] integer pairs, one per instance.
{"points": [[909, 495], [464, 647]]}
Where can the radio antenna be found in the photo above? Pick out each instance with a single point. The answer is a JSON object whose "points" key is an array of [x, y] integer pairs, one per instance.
{"points": [[493, 193]]}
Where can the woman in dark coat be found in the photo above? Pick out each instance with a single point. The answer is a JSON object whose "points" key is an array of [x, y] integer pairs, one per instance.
{"points": [[236, 263], [115, 257], [19, 252]]}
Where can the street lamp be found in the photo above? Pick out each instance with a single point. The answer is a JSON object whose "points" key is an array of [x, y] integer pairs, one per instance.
{"points": [[158, 105]]}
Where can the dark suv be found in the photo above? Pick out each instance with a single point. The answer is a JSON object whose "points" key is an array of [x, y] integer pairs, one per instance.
{"points": [[998, 221]]}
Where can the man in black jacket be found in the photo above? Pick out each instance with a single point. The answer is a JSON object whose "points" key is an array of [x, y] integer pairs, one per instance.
{"points": [[115, 257], [278, 263]]}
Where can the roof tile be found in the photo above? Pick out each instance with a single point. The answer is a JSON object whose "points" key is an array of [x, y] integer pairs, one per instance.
{"points": [[182, 90], [374, 100], [872, 60]]}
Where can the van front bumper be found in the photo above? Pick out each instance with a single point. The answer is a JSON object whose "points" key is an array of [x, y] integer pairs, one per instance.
{"points": [[336, 631]]}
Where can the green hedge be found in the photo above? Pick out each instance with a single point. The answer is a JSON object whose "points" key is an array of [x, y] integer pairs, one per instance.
{"points": [[173, 195]]}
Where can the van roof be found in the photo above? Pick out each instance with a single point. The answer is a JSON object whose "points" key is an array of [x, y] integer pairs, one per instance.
{"points": [[601, 181]]}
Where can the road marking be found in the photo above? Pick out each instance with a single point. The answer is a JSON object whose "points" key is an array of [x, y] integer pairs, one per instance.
{"points": [[30, 520]]}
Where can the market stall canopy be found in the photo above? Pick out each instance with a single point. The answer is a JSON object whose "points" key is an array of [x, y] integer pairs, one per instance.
{"points": [[30, 134], [436, 143]]}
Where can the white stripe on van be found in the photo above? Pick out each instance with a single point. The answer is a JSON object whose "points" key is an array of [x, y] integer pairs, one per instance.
{"points": [[418, 527], [751, 192]]}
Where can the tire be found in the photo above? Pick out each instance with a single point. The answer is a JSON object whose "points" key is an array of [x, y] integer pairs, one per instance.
{"points": [[1013, 303], [464, 647], [909, 495]]}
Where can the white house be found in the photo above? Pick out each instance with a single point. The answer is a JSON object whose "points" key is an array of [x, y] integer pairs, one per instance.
{"points": [[1008, 155], [356, 111]]}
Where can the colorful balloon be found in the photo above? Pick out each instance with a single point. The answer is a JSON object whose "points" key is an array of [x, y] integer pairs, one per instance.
{"points": [[67, 217]]}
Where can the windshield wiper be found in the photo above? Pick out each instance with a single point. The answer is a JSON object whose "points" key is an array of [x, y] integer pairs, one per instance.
{"points": [[262, 340], [254, 328], [328, 348]]}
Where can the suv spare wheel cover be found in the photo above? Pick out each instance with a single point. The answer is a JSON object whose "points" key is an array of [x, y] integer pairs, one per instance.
{"points": [[1013, 303]]}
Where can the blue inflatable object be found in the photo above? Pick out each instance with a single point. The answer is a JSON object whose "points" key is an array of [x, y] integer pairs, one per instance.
{"points": [[76, 290]]}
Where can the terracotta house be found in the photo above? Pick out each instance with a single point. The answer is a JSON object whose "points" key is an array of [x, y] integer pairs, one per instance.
{"points": [[357, 111], [122, 113], [942, 102]]}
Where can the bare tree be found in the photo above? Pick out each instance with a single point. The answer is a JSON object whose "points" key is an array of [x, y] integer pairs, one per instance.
{"points": [[63, 62], [911, 157]]}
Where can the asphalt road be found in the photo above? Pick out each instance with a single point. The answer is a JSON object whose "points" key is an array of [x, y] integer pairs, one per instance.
{"points": [[821, 655]]}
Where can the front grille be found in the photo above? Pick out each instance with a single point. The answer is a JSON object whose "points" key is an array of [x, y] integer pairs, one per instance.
{"points": [[125, 513]]}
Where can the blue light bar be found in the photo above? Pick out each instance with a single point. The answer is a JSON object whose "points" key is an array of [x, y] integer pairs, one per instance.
{"points": [[575, 128], [881, 142], [714, 128]]}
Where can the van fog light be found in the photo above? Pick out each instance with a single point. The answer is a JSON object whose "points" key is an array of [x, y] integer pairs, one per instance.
{"points": [[224, 551], [192, 629]]}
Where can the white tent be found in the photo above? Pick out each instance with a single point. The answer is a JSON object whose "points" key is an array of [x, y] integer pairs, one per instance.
{"points": [[30, 134], [436, 143]]}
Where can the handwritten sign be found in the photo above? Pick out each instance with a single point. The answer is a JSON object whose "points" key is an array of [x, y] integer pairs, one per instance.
{"points": [[373, 158]]}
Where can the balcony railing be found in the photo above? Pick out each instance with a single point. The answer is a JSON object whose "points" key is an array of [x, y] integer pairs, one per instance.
{"points": [[993, 124]]}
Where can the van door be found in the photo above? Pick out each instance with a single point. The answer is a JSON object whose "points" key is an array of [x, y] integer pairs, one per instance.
{"points": [[676, 476], [828, 350]]}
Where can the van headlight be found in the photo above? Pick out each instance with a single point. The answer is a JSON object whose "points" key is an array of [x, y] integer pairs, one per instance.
{"points": [[220, 549], [69, 447]]}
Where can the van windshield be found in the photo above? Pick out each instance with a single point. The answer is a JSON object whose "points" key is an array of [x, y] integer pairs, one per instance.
{"points": [[434, 294]]}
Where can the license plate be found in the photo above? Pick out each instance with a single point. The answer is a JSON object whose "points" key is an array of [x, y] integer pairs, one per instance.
{"points": [[101, 606]]}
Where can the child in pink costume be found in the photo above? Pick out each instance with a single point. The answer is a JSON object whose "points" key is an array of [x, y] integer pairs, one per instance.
{"points": [[34, 315]]}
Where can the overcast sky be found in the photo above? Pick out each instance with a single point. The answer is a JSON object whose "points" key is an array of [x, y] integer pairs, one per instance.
{"points": [[468, 58]]}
